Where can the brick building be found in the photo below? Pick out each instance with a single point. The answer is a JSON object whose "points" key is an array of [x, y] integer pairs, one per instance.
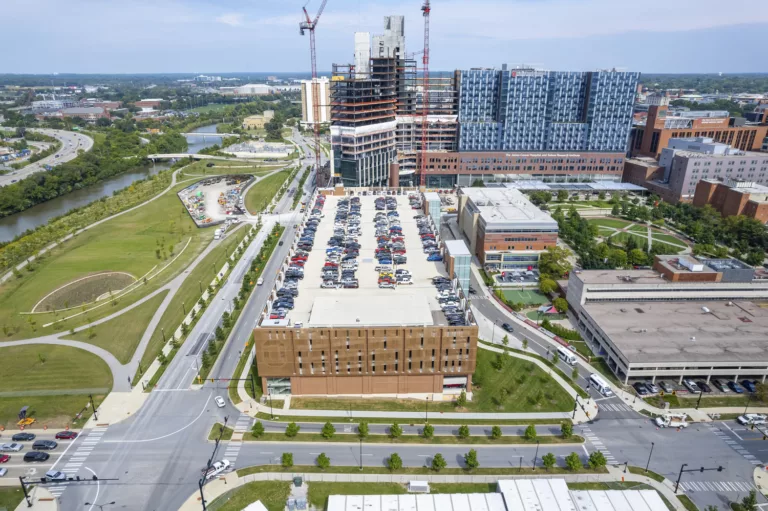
{"points": [[149, 104], [662, 125], [734, 197], [505, 230]]}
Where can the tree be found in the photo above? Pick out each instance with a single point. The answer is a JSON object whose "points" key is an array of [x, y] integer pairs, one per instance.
{"points": [[505, 340], [573, 462], [258, 429], [748, 503], [362, 430], [395, 431], [226, 320], [597, 460], [638, 257], [554, 261], [323, 461], [617, 258], [601, 195], [438, 462], [287, 460], [566, 429], [394, 462], [429, 431], [495, 432], [464, 431], [615, 210], [575, 373], [548, 460], [292, 429], [547, 286], [761, 391], [461, 401], [328, 430], [525, 343], [755, 257], [560, 304], [562, 195], [530, 432], [470, 460]]}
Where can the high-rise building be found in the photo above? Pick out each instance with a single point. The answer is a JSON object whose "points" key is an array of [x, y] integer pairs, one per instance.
{"points": [[532, 110], [308, 98]]}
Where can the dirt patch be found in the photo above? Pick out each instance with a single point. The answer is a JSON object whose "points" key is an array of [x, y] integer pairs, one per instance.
{"points": [[84, 290]]}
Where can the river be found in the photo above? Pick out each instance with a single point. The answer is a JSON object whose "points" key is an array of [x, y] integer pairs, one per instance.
{"points": [[12, 226]]}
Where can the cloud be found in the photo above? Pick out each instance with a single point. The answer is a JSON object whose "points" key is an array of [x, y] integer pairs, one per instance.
{"points": [[233, 19]]}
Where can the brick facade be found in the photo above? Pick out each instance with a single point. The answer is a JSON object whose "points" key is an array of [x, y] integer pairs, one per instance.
{"points": [[730, 201]]}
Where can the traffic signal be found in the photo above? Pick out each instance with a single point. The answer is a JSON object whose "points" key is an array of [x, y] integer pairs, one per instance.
{"points": [[752, 426], [720, 469]]}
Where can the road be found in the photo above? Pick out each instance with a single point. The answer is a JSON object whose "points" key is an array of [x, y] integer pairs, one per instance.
{"points": [[71, 143]]}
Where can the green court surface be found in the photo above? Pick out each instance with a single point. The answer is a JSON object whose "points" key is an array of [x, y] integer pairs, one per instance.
{"points": [[528, 297], [609, 222]]}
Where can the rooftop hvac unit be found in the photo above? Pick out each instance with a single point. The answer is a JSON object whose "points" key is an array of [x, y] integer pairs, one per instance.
{"points": [[706, 310]]}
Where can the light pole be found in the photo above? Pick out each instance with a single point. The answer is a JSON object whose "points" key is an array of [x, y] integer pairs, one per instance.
{"points": [[271, 413], [101, 506], [701, 394], [575, 405], [426, 410], [361, 453], [93, 406], [649, 457], [536, 457]]}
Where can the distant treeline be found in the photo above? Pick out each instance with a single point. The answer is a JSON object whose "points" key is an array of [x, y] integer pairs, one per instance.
{"points": [[709, 83]]}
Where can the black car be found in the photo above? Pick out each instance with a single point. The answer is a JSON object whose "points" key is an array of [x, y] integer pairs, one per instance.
{"points": [[641, 389], [36, 456], [23, 437], [507, 327], [704, 387], [45, 445]]}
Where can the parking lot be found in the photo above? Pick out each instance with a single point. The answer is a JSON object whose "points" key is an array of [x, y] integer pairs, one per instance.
{"points": [[405, 303], [694, 386]]}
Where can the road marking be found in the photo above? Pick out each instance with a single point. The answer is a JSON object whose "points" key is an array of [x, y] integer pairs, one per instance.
{"points": [[164, 436], [732, 431], [98, 484], [585, 449], [62, 455], [266, 453]]}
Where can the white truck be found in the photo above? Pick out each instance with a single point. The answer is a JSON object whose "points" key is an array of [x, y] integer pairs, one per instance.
{"points": [[217, 233], [672, 420]]}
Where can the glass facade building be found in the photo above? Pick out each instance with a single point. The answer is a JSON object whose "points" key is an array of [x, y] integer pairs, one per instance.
{"points": [[529, 110]]}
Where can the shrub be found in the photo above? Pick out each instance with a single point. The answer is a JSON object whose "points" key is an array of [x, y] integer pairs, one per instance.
{"points": [[328, 430], [566, 429], [394, 462], [573, 462], [362, 429], [323, 461], [549, 460], [464, 431], [395, 430], [438, 462], [495, 432], [292, 429], [258, 429], [530, 432], [429, 431], [597, 460], [287, 460], [470, 460]]}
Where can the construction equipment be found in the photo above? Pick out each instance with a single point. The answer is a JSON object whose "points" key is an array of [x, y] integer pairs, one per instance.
{"points": [[426, 9], [23, 419], [310, 24]]}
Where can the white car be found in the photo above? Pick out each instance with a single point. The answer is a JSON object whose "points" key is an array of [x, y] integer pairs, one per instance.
{"points": [[217, 468], [752, 418], [11, 447], [3, 471], [55, 475], [220, 402]]}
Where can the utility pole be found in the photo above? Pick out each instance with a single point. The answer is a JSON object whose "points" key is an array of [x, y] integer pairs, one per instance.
{"points": [[93, 406], [201, 482], [24, 489], [649, 457], [536, 457]]}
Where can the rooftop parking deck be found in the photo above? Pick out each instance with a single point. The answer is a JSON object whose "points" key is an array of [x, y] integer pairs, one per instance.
{"points": [[406, 304]]}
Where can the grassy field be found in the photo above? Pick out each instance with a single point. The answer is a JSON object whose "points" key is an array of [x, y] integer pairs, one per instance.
{"points": [[411, 470], [528, 296], [190, 293], [201, 168], [707, 401], [55, 411], [10, 497], [529, 389], [273, 494], [121, 335], [667, 238], [216, 431], [136, 242], [533, 315], [260, 194], [50, 367], [212, 107], [318, 493], [609, 222]]}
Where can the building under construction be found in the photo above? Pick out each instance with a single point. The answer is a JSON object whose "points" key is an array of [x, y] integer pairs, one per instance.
{"points": [[377, 107]]}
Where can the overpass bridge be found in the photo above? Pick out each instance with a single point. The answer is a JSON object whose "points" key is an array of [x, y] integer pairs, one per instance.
{"points": [[210, 135]]}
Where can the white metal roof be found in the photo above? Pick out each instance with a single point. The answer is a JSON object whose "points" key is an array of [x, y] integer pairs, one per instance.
{"points": [[457, 247], [421, 502]]}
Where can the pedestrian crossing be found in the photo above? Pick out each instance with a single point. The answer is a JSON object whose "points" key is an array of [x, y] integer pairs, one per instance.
{"points": [[733, 444], [242, 425], [78, 458], [615, 407], [589, 435], [718, 486]]}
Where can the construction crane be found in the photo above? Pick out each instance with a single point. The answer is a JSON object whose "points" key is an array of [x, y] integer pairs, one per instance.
{"points": [[310, 24], [425, 9]]}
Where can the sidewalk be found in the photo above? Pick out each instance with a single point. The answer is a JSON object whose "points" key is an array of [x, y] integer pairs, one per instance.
{"points": [[42, 500], [231, 481]]}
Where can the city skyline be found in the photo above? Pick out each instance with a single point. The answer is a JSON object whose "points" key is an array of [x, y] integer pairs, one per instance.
{"points": [[189, 36]]}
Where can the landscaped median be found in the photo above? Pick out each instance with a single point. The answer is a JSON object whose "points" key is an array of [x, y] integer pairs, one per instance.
{"points": [[413, 439], [492, 471]]}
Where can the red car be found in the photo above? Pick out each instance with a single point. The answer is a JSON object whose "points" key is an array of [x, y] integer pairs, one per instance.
{"points": [[4, 458], [66, 435]]}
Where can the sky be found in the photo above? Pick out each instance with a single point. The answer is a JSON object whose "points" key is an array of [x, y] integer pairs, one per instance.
{"points": [[219, 36]]}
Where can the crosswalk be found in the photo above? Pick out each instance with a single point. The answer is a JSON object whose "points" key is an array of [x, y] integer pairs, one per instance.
{"points": [[614, 407], [77, 459], [718, 486], [242, 425], [589, 435], [733, 444]]}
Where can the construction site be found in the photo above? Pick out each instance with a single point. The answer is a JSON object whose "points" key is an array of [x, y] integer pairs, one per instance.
{"points": [[216, 199]]}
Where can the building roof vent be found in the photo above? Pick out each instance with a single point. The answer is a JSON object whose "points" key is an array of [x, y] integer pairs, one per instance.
{"points": [[706, 310]]}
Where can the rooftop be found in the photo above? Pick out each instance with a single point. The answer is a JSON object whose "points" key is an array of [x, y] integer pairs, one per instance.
{"points": [[619, 277], [457, 248], [742, 186], [596, 186], [684, 264], [84, 110], [500, 206], [706, 331]]}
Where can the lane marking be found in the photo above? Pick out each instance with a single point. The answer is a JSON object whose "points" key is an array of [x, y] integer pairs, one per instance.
{"points": [[732, 431], [98, 483]]}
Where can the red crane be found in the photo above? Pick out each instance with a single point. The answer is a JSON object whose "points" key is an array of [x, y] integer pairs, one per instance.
{"points": [[426, 9], [310, 25]]}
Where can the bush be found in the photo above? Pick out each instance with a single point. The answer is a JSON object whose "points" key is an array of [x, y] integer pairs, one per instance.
{"points": [[438, 462], [323, 461], [573, 462], [461, 401], [395, 431], [530, 432], [394, 462], [287, 460], [495, 432], [549, 460], [561, 331], [362, 430], [566, 429], [464, 431], [597, 460], [292, 429], [470, 460], [328, 430], [258, 429], [429, 431]]}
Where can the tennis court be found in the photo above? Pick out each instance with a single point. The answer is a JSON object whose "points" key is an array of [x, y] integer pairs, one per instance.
{"points": [[528, 297]]}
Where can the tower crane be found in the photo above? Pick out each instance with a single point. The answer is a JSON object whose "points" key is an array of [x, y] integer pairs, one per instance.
{"points": [[425, 9], [310, 24]]}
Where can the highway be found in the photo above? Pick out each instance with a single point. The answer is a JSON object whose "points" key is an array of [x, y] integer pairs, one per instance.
{"points": [[71, 143]]}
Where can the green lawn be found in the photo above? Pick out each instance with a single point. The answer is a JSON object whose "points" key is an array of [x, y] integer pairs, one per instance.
{"points": [[410, 439], [260, 194], [528, 296], [529, 388], [216, 431], [128, 243], [534, 315], [605, 231], [190, 293], [54, 411], [495, 471], [50, 367], [10, 497], [273, 494], [668, 238], [201, 168], [211, 107], [609, 222], [707, 401], [317, 494], [639, 229], [121, 335], [669, 249]]}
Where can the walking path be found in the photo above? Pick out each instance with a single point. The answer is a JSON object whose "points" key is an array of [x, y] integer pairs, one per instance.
{"points": [[231, 481]]}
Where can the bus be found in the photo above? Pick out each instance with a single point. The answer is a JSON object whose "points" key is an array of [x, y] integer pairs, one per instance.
{"points": [[600, 385], [566, 355]]}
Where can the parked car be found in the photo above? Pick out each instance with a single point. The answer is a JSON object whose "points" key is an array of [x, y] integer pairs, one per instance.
{"points": [[720, 385], [704, 387], [691, 386], [652, 387], [641, 389], [749, 385], [734, 386], [666, 387], [751, 418]]}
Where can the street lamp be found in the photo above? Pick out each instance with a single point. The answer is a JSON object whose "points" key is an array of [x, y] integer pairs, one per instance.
{"points": [[649, 457], [361, 453], [426, 410], [101, 506], [701, 394]]}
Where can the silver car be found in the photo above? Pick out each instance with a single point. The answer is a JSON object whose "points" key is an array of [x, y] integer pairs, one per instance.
{"points": [[11, 447]]}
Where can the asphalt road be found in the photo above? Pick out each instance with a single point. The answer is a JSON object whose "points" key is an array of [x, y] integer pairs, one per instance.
{"points": [[71, 143]]}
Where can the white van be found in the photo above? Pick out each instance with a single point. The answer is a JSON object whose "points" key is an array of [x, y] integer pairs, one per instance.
{"points": [[217, 234], [566, 355], [600, 384]]}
